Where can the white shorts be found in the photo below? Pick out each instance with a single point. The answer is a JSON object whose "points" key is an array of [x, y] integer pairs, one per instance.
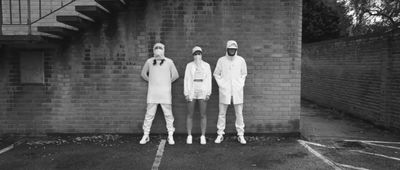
{"points": [[199, 94]]}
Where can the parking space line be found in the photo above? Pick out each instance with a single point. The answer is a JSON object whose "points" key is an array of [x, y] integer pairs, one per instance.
{"points": [[317, 144], [375, 154], [372, 141], [385, 146], [159, 155], [326, 160], [351, 167], [7, 149]]}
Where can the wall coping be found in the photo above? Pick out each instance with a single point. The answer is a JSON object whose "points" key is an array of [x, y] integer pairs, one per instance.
{"points": [[372, 36]]}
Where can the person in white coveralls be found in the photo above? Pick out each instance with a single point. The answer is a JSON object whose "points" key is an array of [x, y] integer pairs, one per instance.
{"points": [[160, 72], [197, 87], [230, 74]]}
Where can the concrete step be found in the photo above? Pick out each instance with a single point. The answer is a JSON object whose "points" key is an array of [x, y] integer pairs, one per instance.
{"points": [[112, 5], [55, 30], [75, 21], [67, 21], [94, 12]]}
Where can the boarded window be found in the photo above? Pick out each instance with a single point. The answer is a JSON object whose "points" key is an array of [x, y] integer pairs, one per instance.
{"points": [[32, 67]]}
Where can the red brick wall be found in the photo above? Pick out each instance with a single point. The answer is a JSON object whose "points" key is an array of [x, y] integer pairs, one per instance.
{"points": [[93, 83], [358, 75]]}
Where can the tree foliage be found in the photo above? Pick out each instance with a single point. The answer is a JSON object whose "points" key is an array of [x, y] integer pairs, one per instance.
{"points": [[324, 19], [373, 16], [330, 19]]}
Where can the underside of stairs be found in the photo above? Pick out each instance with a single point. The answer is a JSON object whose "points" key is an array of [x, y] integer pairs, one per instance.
{"points": [[68, 21]]}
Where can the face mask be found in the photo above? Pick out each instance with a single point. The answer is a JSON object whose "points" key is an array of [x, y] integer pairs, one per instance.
{"points": [[197, 57], [231, 52], [158, 53]]}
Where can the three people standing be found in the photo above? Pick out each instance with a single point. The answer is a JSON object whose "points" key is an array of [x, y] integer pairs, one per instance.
{"points": [[230, 74]]}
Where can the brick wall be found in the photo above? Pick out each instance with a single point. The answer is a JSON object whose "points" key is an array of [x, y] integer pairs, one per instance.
{"points": [[358, 75], [93, 84]]}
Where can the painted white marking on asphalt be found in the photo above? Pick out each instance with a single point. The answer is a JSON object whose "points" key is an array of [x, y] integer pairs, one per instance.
{"points": [[317, 144], [159, 155], [6, 149], [351, 167], [375, 154], [385, 146], [371, 141], [330, 147], [326, 160]]}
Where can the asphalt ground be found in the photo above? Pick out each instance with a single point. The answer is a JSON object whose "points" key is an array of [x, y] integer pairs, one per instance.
{"points": [[262, 152], [332, 140]]}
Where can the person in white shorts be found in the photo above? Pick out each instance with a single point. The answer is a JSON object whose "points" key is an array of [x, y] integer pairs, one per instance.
{"points": [[197, 87], [160, 72], [230, 74]]}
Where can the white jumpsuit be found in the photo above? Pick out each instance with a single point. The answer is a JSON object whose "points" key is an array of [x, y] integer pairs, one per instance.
{"points": [[160, 77]]}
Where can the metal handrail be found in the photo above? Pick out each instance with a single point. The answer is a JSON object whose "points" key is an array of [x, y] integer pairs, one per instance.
{"points": [[62, 6], [63, 3]]}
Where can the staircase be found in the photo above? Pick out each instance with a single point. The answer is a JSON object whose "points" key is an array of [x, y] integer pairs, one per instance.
{"points": [[38, 20]]}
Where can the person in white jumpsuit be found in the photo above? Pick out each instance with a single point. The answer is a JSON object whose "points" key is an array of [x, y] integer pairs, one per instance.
{"points": [[160, 72], [197, 87], [230, 74]]}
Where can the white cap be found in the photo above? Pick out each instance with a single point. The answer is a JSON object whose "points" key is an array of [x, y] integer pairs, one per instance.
{"points": [[197, 48], [159, 45], [231, 44]]}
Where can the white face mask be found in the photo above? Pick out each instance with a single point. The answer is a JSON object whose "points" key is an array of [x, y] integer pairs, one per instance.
{"points": [[197, 57], [158, 53]]}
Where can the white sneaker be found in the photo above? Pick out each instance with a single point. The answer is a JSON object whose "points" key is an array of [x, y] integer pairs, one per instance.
{"points": [[203, 140], [189, 139], [219, 139], [144, 139], [171, 140], [241, 139]]}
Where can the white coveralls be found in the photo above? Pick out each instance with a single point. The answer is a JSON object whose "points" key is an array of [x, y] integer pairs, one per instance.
{"points": [[230, 74], [160, 72]]}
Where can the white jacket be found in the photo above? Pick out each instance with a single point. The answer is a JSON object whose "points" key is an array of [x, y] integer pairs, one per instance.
{"points": [[160, 78], [230, 74], [189, 79]]}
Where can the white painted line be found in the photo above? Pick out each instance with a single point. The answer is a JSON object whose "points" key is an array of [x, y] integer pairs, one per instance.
{"points": [[385, 146], [330, 147], [375, 154], [371, 141], [159, 155], [317, 144], [326, 160], [351, 167], [6, 149]]}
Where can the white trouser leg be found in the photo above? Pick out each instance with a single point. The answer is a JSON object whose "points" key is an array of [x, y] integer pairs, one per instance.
{"points": [[149, 117], [169, 118], [221, 118], [239, 119]]}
